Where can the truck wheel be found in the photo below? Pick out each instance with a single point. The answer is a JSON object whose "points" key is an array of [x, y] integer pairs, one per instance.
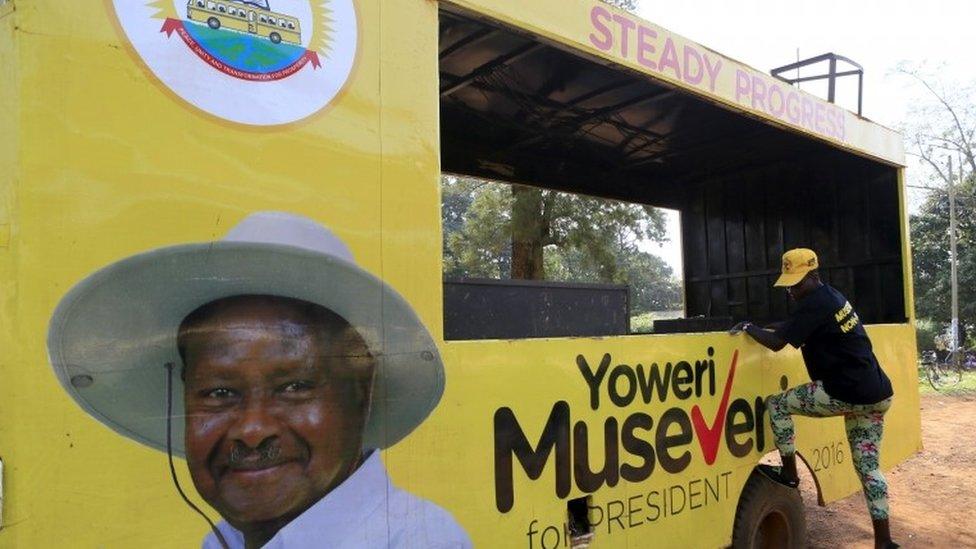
{"points": [[769, 516]]}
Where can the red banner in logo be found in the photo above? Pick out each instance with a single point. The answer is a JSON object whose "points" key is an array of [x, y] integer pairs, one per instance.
{"points": [[171, 25]]}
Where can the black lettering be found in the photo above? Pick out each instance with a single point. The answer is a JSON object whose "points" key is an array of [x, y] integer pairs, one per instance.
{"points": [[594, 522], [701, 366], [510, 440], [738, 407], [618, 398], [653, 506], [654, 380], [711, 489], [531, 532], [631, 511], [587, 480], [543, 539], [593, 380], [611, 517], [684, 499], [637, 447], [711, 372], [759, 414], [665, 442], [682, 376], [692, 493]]}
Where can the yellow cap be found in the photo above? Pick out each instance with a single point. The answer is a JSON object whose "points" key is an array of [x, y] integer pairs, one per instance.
{"points": [[796, 264]]}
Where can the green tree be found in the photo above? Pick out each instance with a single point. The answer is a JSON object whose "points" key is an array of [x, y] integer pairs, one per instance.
{"points": [[496, 230], [653, 285], [598, 228], [476, 218], [940, 127], [930, 254]]}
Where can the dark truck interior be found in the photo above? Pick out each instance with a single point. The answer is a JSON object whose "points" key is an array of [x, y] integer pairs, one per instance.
{"points": [[525, 111]]}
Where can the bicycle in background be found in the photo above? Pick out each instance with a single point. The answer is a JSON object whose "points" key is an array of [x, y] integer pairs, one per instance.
{"points": [[945, 370]]}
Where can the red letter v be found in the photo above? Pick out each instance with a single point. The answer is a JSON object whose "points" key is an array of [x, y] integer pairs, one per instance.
{"points": [[709, 437]]}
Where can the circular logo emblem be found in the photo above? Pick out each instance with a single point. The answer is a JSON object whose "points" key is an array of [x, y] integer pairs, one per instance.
{"points": [[259, 62]]}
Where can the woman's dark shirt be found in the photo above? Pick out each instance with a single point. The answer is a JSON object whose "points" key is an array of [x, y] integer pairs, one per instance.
{"points": [[836, 348]]}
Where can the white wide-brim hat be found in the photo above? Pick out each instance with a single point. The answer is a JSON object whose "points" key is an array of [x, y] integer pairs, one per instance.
{"points": [[113, 334]]}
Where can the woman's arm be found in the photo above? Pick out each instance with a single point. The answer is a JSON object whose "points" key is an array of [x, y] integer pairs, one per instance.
{"points": [[767, 338]]}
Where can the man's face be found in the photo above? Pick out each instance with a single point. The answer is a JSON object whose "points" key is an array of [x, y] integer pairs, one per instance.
{"points": [[800, 290], [275, 409], [792, 291]]}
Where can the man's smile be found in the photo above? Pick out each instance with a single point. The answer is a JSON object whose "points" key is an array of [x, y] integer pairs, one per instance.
{"points": [[259, 471]]}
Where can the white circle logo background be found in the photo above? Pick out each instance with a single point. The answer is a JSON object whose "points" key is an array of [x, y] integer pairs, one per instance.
{"points": [[261, 103]]}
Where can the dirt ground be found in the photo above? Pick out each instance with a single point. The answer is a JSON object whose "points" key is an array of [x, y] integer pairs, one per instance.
{"points": [[933, 495]]}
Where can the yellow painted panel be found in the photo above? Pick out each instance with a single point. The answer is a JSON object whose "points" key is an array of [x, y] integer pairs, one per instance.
{"points": [[113, 163], [9, 146], [535, 378], [906, 248]]}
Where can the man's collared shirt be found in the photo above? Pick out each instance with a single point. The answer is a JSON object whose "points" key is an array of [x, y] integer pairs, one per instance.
{"points": [[365, 511]]}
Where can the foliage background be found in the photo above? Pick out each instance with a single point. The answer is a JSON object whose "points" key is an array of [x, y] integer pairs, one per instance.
{"points": [[582, 239]]}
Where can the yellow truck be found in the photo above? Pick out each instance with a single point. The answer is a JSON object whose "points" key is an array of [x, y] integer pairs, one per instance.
{"points": [[131, 140]]}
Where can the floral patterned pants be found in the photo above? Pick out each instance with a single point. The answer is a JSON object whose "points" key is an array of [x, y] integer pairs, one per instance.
{"points": [[864, 424]]}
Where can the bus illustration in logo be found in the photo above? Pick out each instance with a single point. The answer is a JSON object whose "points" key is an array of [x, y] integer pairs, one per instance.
{"points": [[246, 16], [245, 39]]}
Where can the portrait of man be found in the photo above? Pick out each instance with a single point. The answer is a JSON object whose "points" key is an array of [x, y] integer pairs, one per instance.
{"points": [[296, 366]]}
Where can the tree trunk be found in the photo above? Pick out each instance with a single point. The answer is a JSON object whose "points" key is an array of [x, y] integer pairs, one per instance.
{"points": [[528, 233]]}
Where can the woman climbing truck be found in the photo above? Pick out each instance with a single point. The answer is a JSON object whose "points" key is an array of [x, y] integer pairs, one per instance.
{"points": [[846, 380]]}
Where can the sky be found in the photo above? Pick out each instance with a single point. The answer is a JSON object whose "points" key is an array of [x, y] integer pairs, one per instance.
{"points": [[876, 34]]}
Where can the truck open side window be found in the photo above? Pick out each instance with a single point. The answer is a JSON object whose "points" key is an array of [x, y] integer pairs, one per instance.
{"points": [[523, 118], [525, 261]]}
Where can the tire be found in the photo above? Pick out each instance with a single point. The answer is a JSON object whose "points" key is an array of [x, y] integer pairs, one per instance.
{"points": [[954, 374], [275, 38], [213, 23], [769, 516], [933, 376], [942, 375]]}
